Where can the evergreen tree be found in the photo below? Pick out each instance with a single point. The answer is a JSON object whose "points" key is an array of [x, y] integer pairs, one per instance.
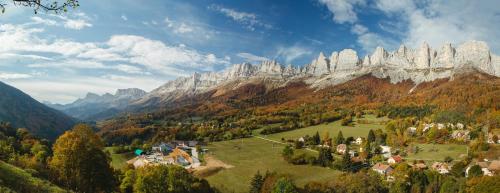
{"points": [[475, 171], [287, 152], [345, 162], [340, 138], [371, 136], [325, 157], [316, 138], [284, 185], [256, 183]]}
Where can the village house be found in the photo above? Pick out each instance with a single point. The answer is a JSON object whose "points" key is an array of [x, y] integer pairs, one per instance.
{"points": [[440, 167], [412, 130], [381, 168], [483, 166], [494, 167], [359, 141], [492, 140], [419, 166], [460, 126], [395, 159], [386, 151], [460, 135], [173, 153], [427, 126], [341, 148], [301, 139]]}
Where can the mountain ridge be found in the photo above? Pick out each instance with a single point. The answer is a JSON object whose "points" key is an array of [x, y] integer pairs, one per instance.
{"points": [[419, 65], [19, 109], [95, 107]]}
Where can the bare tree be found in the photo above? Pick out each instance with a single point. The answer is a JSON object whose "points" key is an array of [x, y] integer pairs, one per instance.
{"points": [[55, 6]]}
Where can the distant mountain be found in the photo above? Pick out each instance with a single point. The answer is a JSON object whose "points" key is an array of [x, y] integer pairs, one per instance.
{"points": [[96, 107], [21, 110], [417, 65]]}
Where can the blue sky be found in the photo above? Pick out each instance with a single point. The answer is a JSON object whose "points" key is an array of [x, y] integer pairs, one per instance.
{"points": [[104, 45]]}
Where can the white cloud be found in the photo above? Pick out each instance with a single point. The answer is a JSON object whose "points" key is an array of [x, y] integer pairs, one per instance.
{"points": [[438, 22], [124, 18], [369, 41], [76, 24], [183, 28], [9, 75], [251, 57], [39, 20], [343, 10], [250, 20], [292, 53], [359, 29], [171, 60]]}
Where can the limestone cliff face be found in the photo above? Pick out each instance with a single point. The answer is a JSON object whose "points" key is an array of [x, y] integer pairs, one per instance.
{"points": [[420, 65]]}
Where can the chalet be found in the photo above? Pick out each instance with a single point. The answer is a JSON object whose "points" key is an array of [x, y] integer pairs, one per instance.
{"points": [[412, 130], [357, 159], [176, 156], [163, 148], [491, 138], [341, 148], [381, 168], [483, 166], [386, 151], [428, 126], [395, 159], [440, 126], [352, 153], [495, 167], [440, 167], [359, 140], [420, 166], [460, 135]]}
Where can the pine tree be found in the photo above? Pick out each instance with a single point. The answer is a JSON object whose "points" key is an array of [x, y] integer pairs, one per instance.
{"points": [[256, 183], [340, 138], [371, 136], [316, 138], [325, 157], [345, 164]]}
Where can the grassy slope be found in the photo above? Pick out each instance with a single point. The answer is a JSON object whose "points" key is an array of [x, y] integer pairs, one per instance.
{"points": [[251, 155], [437, 152], [357, 130], [21, 181], [119, 161]]}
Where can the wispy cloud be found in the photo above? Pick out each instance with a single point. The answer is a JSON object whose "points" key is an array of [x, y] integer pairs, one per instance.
{"points": [[10, 75], [249, 20], [291, 53], [251, 57], [75, 21]]}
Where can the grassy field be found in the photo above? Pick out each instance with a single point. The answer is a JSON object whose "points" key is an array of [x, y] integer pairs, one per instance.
{"points": [[21, 181], [251, 155], [357, 130], [437, 152], [119, 161]]}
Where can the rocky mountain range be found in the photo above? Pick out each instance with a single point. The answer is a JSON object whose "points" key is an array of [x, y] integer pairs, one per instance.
{"points": [[94, 106], [418, 65], [423, 64]]}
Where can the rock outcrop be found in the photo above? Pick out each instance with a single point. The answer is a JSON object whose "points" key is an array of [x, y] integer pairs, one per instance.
{"points": [[420, 65]]}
